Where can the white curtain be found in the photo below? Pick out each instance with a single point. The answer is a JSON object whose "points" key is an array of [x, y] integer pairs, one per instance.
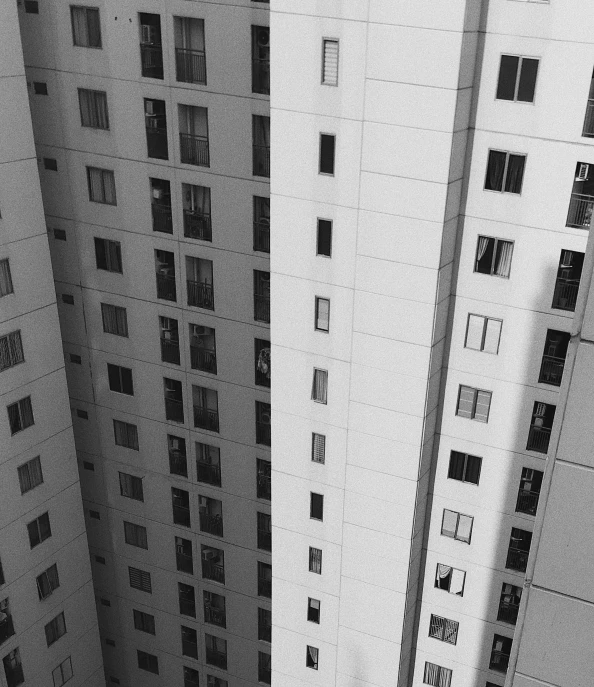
{"points": [[319, 390], [79, 26], [504, 257], [483, 242]]}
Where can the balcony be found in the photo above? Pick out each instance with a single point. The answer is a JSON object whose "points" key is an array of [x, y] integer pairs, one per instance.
{"points": [[265, 540], [166, 287], [527, 502], [181, 516], [151, 57], [174, 410], [261, 160], [6, 628], [184, 562], [200, 295], [213, 571], [215, 616], [565, 296], [538, 439], [203, 359], [216, 658], [508, 613], [551, 370], [197, 225], [194, 150], [209, 473], [156, 143], [190, 66], [178, 464], [162, 219], [261, 308], [189, 648], [263, 487], [170, 351], [14, 676], [264, 587], [516, 560], [263, 433], [212, 524], [580, 211], [499, 661], [262, 236], [206, 418]]}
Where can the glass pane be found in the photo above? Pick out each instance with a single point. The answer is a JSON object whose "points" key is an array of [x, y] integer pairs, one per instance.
{"points": [[474, 332], [491, 344], [527, 80], [464, 528], [508, 70], [450, 520]]}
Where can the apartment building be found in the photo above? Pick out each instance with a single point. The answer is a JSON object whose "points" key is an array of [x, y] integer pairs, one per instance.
{"points": [[431, 239], [152, 119], [48, 623]]}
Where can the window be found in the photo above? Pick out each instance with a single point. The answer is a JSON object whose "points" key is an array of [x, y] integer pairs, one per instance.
{"points": [[39, 88], [86, 28], [541, 424], [178, 462], [5, 278], [189, 639], [505, 172], [529, 491], [193, 135], [60, 234], [500, 652], [131, 486], [263, 417], [39, 530], [187, 599], [55, 629], [509, 603], [13, 668], [482, 333], [261, 296], [2, 580], [174, 401], [567, 283], [211, 515], [20, 415], [264, 667], [76, 359], [264, 624], [216, 651], [120, 379], [443, 629], [190, 58], [313, 610], [213, 564], [191, 677], [108, 255], [264, 532], [88, 466], [203, 348], [493, 256], [264, 579], [263, 479], [456, 525], [135, 535], [95, 514], [262, 224], [206, 408], [311, 657], [62, 673], [151, 53], [30, 475], [450, 579], [518, 550], [318, 448], [262, 362], [553, 357], [161, 205], [464, 467], [93, 109], [324, 238], [319, 388], [473, 404], [322, 314], [100, 559], [50, 163], [316, 506], [125, 434], [199, 273], [67, 298], [327, 146], [184, 559], [115, 319], [101, 186], [180, 502], [208, 464], [517, 78], [315, 560], [31, 6], [436, 675], [330, 62], [169, 337], [140, 579], [47, 582], [260, 146], [214, 609], [147, 662], [144, 622], [260, 60], [155, 120]]}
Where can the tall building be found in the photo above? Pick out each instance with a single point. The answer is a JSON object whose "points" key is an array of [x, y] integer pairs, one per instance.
{"points": [[152, 121], [430, 238]]}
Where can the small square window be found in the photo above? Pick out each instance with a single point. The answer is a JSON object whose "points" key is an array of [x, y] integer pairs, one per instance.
{"points": [[473, 404], [30, 475], [313, 610], [324, 237], [89, 466], [95, 514], [59, 234], [82, 414], [483, 333], [464, 467], [68, 299], [31, 7], [505, 171], [100, 560], [39, 88], [50, 163], [76, 359]]}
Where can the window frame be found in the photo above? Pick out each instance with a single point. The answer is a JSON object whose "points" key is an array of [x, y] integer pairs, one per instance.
{"points": [[465, 467], [476, 392], [141, 622], [443, 676], [320, 159], [318, 440], [313, 613], [496, 240], [144, 580], [92, 96], [41, 534], [38, 474], [317, 319], [521, 59], [109, 245], [323, 82], [319, 384], [5, 278], [117, 315], [312, 657], [124, 379], [148, 662], [55, 629], [132, 445], [458, 518], [129, 486], [486, 320], [315, 560], [63, 677], [26, 414], [50, 578], [135, 535], [105, 173], [438, 626], [448, 589], [86, 11], [319, 220], [316, 506], [507, 153]]}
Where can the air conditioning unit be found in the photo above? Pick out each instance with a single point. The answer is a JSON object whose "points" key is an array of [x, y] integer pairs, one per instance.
{"points": [[263, 38], [209, 555], [200, 330], [157, 193], [148, 33], [149, 107], [265, 417], [583, 170]]}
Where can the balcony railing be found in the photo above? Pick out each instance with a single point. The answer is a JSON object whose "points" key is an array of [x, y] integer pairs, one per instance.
{"points": [[166, 287], [200, 295], [14, 676], [580, 211], [189, 648], [203, 359], [263, 433], [181, 516], [216, 658], [174, 410], [190, 66], [499, 661], [261, 160], [565, 296], [516, 560], [162, 220], [215, 616], [265, 540], [588, 129], [194, 150], [6, 629], [178, 463], [527, 502], [262, 236], [209, 473], [156, 143], [538, 439], [184, 562], [551, 370], [151, 57], [264, 491], [197, 225], [507, 613], [170, 351], [264, 587], [261, 308], [261, 76], [206, 419], [187, 607], [213, 571], [213, 524]]}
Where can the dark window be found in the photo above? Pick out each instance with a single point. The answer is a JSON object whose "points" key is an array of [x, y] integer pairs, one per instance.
{"points": [[517, 78], [316, 506], [115, 319], [50, 163], [165, 273], [31, 7], [509, 603], [77, 360], [450, 579], [140, 579], [493, 256], [30, 475], [11, 350], [319, 387], [190, 57], [436, 675], [161, 205], [67, 298], [93, 109], [262, 362], [264, 579], [180, 502], [135, 535], [20, 415], [120, 379], [262, 224], [88, 466], [324, 240], [148, 662], [311, 657], [327, 145], [155, 120], [13, 669], [500, 652], [48, 582], [216, 651], [55, 629], [108, 255], [200, 284], [318, 448], [264, 532], [473, 404], [263, 417], [60, 234], [169, 342], [313, 610], [184, 559], [456, 525], [206, 408], [264, 668], [131, 486], [505, 172], [208, 464], [529, 491], [567, 283], [178, 463], [541, 424], [95, 514], [261, 296], [174, 401], [151, 52], [101, 186], [189, 639], [264, 624], [39, 88], [125, 434], [100, 560], [5, 278], [553, 357], [86, 27], [191, 677], [187, 599], [443, 629], [214, 609], [519, 548], [211, 515], [260, 146], [464, 467], [260, 60], [193, 135], [315, 560], [263, 479], [39, 530], [62, 673], [213, 564]]}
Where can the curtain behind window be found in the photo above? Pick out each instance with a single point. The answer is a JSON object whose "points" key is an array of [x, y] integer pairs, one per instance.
{"points": [[495, 167], [515, 173]]}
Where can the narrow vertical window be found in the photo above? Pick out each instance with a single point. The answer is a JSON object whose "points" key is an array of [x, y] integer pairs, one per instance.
{"points": [[322, 314], [319, 389], [315, 560], [318, 448], [330, 62], [324, 238], [5, 278], [327, 149], [316, 506]]}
